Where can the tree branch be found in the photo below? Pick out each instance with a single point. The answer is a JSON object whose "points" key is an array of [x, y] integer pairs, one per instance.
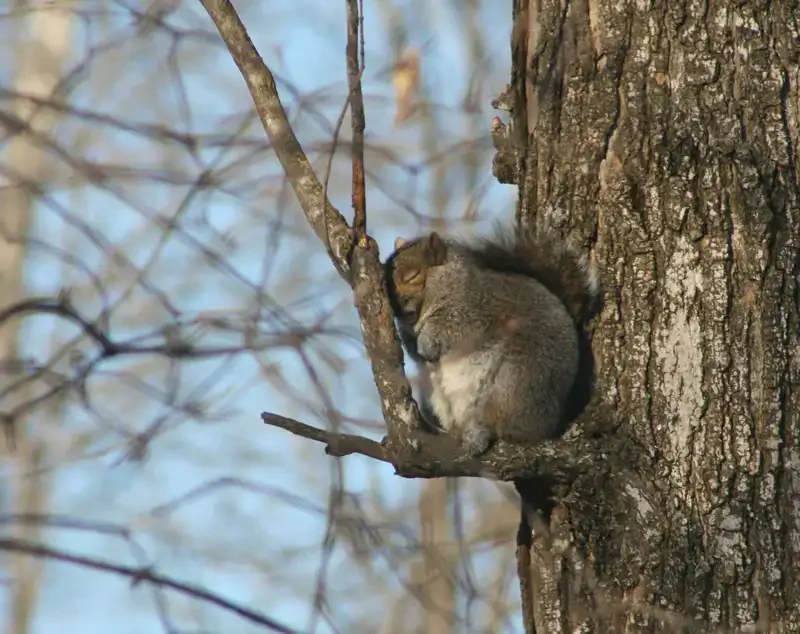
{"points": [[174, 347], [143, 574], [432, 455], [354, 70], [338, 445], [329, 225]]}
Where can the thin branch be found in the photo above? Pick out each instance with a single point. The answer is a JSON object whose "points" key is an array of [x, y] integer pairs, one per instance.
{"points": [[334, 142], [62, 309], [174, 347], [357, 121], [338, 445], [325, 219], [432, 455], [99, 528], [139, 575]]}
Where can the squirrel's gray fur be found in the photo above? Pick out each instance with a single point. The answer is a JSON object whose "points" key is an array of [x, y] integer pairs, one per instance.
{"points": [[496, 326]]}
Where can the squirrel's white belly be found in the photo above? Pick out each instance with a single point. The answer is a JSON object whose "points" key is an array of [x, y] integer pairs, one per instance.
{"points": [[459, 386]]}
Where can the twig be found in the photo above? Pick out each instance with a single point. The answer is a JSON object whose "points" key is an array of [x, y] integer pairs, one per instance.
{"points": [[62, 309], [174, 347], [357, 121], [338, 445], [326, 179], [139, 575], [99, 528]]}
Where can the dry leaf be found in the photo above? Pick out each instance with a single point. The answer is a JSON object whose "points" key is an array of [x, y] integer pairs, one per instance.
{"points": [[406, 85]]}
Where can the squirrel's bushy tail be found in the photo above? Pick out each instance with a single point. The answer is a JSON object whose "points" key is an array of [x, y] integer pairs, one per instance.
{"points": [[548, 259]]}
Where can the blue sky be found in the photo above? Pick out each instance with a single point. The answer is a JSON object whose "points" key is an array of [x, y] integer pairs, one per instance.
{"points": [[303, 41]]}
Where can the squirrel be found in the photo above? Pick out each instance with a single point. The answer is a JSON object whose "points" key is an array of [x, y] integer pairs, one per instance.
{"points": [[496, 326]]}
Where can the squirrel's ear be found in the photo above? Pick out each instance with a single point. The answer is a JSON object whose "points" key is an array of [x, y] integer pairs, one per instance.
{"points": [[437, 248], [399, 242]]}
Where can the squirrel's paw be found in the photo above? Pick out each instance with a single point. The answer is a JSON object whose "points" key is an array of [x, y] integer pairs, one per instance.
{"points": [[428, 348], [477, 441]]}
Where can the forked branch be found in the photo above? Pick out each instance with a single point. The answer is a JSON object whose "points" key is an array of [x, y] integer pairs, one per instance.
{"points": [[358, 259]]}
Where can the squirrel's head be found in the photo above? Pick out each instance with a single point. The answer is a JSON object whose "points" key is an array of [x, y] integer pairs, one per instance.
{"points": [[407, 271]]}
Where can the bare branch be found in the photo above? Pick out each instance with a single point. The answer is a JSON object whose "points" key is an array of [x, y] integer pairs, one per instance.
{"points": [[63, 310], [432, 455], [143, 574], [338, 445], [357, 119], [325, 219], [173, 348]]}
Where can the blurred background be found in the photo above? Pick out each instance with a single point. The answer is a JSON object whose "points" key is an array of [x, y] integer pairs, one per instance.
{"points": [[137, 184]]}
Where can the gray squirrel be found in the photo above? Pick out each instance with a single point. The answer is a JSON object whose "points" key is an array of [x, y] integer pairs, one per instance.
{"points": [[496, 326]]}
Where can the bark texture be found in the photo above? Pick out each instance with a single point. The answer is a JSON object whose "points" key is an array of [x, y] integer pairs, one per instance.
{"points": [[664, 135]]}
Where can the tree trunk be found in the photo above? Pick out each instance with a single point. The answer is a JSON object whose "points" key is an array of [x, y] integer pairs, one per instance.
{"points": [[665, 135]]}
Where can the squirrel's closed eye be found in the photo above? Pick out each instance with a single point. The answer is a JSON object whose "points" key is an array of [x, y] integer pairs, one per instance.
{"points": [[409, 276]]}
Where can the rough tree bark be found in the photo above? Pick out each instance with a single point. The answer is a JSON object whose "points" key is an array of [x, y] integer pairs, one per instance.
{"points": [[665, 134]]}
